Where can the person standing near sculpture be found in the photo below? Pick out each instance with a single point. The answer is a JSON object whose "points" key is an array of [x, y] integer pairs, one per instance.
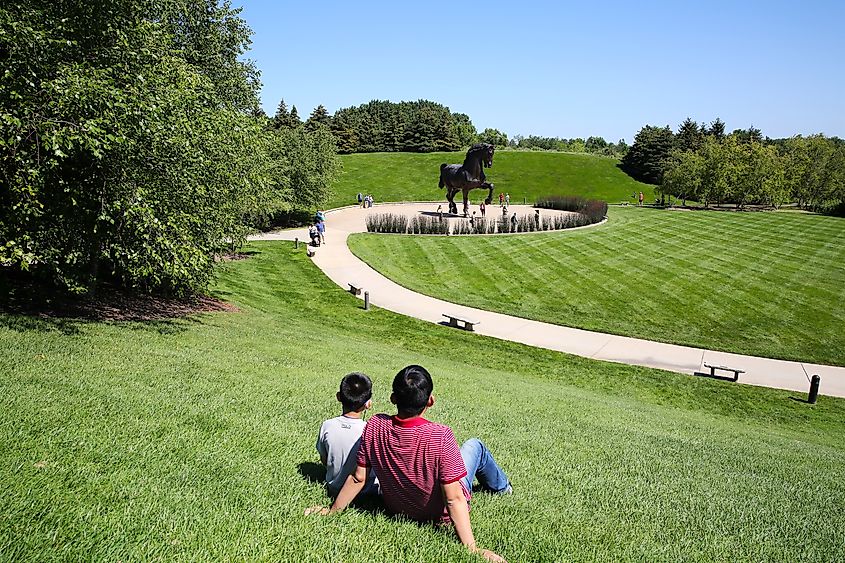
{"points": [[482, 208], [501, 199], [507, 200]]}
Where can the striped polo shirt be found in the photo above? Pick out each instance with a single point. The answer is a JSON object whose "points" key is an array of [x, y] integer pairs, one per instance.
{"points": [[412, 458]]}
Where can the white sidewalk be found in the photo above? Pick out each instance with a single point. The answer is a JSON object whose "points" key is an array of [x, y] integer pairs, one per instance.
{"points": [[342, 267]]}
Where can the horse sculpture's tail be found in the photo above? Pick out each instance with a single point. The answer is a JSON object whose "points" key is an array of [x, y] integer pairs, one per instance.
{"points": [[442, 184]]}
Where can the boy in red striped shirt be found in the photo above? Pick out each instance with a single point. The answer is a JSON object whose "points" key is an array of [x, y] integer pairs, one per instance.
{"points": [[423, 473]]}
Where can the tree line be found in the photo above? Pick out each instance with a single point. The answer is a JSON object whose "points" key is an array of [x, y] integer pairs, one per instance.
{"points": [[424, 126], [383, 126], [703, 163], [132, 147]]}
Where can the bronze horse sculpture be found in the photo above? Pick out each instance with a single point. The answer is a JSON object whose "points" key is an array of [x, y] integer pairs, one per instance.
{"points": [[467, 176]]}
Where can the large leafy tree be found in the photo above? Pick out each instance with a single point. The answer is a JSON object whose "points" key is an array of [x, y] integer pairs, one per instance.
{"points": [[815, 171], [493, 137], [129, 148]]}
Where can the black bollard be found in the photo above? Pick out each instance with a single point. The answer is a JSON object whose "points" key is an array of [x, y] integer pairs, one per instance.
{"points": [[814, 389], [366, 300], [296, 242]]}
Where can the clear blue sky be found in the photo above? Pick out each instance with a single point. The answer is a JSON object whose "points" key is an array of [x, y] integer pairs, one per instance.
{"points": [[563, 69]]}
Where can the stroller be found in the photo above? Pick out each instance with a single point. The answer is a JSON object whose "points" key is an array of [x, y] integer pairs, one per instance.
{"points": [[315, 235]]}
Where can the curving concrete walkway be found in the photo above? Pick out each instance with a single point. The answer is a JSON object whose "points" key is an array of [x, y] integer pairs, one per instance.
{"points": [[342, 267]]}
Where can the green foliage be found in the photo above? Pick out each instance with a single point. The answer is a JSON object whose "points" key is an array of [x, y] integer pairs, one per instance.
{"points": [[815, 171], [319, 118], [383, 126], [133, 129], [307, 166], [283, 118], [593, 145], [132, 147], [646, 160], [493, 137], [716, 129], [464, 130], [738, 169], [689, 136]]}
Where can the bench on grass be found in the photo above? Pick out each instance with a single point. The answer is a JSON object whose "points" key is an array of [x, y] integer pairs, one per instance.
{"points": [[713, 369], [468, 325], [355, 288]]}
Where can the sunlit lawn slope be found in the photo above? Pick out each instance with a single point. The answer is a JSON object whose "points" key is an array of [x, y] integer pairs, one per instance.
{"points": [[190, 440], [768, 284], [414, 177]]}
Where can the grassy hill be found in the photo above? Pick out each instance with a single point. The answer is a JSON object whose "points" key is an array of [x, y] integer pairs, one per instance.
{"points": [[768, 284], [194, 440], [414, 177]]}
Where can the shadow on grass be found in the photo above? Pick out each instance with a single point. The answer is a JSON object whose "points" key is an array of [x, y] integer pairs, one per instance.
{"points": [[29, 305], [718, 377], [800, 400], [316, 473]]}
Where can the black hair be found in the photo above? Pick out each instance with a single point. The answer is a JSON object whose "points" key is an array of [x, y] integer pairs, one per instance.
{"points": [[355, 390], [412, 387]]}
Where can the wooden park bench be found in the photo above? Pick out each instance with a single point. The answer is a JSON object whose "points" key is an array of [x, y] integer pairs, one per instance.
{"points": [[713, 369], [468, 325], [355, 288]]}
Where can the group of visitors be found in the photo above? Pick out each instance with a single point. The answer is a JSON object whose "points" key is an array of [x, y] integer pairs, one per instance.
{"points": [[317, 231], [414, 465], [504, 199], [365, 200]]}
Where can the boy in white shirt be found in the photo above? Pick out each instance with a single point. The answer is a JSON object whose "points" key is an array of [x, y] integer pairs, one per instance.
{"points": [[339, 437]]}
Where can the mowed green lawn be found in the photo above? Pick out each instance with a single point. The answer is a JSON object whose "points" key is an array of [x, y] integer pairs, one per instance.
{"points": [[528, 175], [766, 284], [194, 440]]}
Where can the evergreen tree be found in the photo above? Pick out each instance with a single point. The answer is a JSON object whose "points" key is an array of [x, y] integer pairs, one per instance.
{"points": [[716, 129], [295, 121], [282, 117], [318, 118], [646, 160], [690, 136]]}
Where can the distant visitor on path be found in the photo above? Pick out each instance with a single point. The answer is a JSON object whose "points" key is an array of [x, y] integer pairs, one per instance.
{"points": [[337, 442], [501, 199], [482, 207], [360, 198], [314, 235], [321, 231], [507, 199], [513, 220], [423, 474], [641, 199]]}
